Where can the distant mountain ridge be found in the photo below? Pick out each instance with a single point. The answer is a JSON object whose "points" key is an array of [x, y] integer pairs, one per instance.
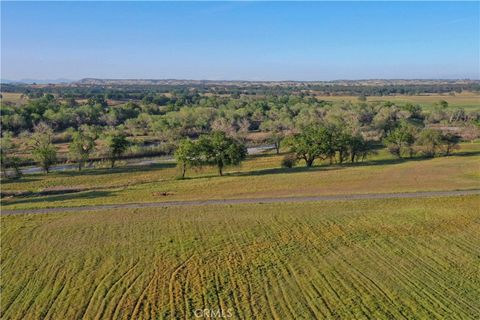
{"points": [[366, 82], [38, 81], [242, 83]]}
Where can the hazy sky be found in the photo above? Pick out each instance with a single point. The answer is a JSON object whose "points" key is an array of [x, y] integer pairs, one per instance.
{"points": [[240, 40]]}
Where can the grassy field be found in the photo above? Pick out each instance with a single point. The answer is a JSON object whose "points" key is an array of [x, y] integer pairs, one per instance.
{"points": [[466, 100], [13, 97], [410, 258], [258, 177]]}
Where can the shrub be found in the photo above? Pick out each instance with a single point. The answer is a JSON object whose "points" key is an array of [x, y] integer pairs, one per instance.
{"points": [[289, 161]]}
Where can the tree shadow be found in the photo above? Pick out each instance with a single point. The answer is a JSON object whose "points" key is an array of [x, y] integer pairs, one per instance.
{"points": [[64, 197], [466, 153], [339, 166], [116, 170], [286, 170], [22, 179], [378, 162]]}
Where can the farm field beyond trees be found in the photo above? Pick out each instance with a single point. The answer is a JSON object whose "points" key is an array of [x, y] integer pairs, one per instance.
{"points": [[467, 100], [396, 258]]}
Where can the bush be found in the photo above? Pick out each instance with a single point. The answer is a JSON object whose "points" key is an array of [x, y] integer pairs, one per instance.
{"points": [[289, 161]]}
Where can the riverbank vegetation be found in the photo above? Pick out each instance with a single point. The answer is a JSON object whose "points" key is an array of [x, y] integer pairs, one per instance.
{"points": [[156, 123]]}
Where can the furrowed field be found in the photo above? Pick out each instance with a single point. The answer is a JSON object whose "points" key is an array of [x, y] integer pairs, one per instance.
{"points": [[410, 258]]}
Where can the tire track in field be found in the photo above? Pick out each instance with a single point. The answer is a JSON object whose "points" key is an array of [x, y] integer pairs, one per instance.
{"points": [[373, 285], [281, 279], [171, 284], [54, 299], [434, 293], [400, 275], [294, 229], [339, 197], [115, 312], [287, 267], [139, 301], [304, 226], [404, 276], [291, 272], [273, 312], [235, 282], [428, 269], [100, 283], [354, 288], [104, 301], [185, 293], [39, 289]]}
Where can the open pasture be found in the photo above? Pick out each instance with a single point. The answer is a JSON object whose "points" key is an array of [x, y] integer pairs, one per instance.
{"points": [[13, 97], [466, 100], [397, 258], [258, 177]]}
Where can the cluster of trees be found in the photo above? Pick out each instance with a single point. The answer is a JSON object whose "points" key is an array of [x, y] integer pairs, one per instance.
{"points": [[407, 140], [190, 115], [215, 149], [138, 91], [311, 128], [327, 142], [40, 144], [8, 159]]}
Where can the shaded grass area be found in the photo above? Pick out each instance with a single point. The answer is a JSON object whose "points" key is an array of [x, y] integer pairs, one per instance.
{"points": [[396, 258]]}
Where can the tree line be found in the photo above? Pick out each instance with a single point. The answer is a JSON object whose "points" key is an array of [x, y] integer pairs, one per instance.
{"points": [[140, 91], [40, 143], [344, 131]]}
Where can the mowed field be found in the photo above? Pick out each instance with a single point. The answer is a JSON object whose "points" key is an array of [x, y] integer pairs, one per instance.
{"points": [[466, 100], [13, 97], [258, 177], [363, 259]]}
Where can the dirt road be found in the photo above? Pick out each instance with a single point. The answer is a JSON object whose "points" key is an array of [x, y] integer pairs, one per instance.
{"points": [[248, 200]]}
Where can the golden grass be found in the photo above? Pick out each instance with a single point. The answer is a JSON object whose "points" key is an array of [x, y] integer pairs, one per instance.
{"points": [[396, 258], [468, 100], [13, 97]]}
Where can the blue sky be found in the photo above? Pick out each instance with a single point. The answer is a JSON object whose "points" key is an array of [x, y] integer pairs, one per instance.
{"points": [[240, 40]]}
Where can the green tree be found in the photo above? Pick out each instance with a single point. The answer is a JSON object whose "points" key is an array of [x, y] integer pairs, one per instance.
{"points": [[429, 142], [386, 119], [82, 145], [309, 144], [450, 142], [41, 144], [220, 150], [358, 148], [7, 156], [401, 140], [187, 154], [341, 143], [277, 127], [116, 144]]}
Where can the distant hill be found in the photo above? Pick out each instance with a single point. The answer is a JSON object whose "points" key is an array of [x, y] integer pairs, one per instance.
{"points": [[367, 82], [38, 81]]}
